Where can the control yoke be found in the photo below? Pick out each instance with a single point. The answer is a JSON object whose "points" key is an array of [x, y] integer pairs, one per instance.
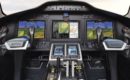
{"points": [[17, 44], [115, 45], [99, 34]]}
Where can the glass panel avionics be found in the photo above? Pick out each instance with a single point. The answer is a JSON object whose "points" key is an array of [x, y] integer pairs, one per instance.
{"points": [[23, 28], [106, 26], [62, 29]]}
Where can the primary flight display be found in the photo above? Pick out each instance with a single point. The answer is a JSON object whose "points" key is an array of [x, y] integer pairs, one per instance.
{"points": [[39, 27], [106, 26]]}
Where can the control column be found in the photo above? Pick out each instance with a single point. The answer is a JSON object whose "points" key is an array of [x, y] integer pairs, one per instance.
{"points": [[17, 46], [113, 47]]}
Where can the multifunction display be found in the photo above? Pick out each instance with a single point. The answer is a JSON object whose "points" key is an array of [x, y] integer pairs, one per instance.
{"points": [[62, 29]]}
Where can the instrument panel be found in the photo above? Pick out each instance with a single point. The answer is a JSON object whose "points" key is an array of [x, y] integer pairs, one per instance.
{"points": [[62, 31]]}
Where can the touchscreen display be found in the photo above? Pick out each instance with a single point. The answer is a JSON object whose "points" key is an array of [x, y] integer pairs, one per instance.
{"points": [[72, 50], [58, 50], [106, 26]]}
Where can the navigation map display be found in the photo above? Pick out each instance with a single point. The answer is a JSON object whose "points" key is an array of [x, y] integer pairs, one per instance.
{"points": [[106, 26], [72, 50], [58, 50], [63, 29], [23, 28]]}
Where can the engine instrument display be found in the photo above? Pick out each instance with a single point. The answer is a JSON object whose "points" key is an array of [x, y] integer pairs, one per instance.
{"points": [[24, 26], [63, 29], [106, 26]]}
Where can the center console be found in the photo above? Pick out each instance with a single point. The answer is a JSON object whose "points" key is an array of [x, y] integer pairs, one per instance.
{"points": [[65, 62]]}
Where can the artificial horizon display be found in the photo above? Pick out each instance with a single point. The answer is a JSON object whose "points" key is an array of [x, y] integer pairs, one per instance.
{"points": [[25, 25], [106, 26]]}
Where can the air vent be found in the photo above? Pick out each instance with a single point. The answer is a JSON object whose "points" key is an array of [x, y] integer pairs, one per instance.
{"points": [[66, 8]]}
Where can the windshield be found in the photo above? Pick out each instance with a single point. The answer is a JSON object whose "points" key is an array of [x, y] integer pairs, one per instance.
{"points": [[14, 6]]}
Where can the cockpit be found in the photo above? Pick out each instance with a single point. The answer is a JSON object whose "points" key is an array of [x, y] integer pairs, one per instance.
{"points": [[64, 40]]}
